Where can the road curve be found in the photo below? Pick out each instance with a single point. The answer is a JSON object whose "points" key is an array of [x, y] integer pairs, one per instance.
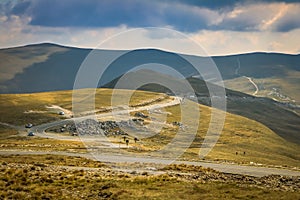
{"points": [[40, 129], [254, 84], [113, 158]]}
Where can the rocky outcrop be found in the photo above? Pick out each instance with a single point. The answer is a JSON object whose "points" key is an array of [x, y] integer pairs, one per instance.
{"points": [[140, 114], [93, 127]]}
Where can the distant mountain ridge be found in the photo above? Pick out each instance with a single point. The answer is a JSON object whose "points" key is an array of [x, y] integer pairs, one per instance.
{"points": [[264, 110], [49, 67]]}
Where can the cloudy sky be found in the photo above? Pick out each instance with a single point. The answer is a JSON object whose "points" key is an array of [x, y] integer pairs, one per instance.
{"points": [[219, 26]]}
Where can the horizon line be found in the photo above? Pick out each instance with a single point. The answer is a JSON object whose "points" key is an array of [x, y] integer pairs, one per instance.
{"points": [[89, 48]]}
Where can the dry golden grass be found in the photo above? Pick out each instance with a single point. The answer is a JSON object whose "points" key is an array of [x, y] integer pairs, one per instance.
{"points": [[241, 84], [6, 132], [11, 140], [44, 160], [288, 86], [239, 135], [14, 106], [260, 144], [29, 181], [41, 144]]}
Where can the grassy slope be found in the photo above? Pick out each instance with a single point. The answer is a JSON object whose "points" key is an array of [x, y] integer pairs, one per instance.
{"points": [[270, 70], [240, 84], [13, 106], [11, 140], [279, 119], [30, 177], [38, 181], [239, 134], [54, 67], [15, 60], [287, 87], [260, 144]]}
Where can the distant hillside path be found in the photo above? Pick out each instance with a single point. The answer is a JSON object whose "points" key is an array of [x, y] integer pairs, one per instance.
{"points": [[254, 84], [236, 72]]}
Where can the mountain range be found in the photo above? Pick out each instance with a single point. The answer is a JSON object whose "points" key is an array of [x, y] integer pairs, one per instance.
{"points": [[259, 86], [48, 67]]}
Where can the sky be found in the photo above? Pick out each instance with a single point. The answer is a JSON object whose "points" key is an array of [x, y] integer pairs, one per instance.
{"points": [[220, 27]]}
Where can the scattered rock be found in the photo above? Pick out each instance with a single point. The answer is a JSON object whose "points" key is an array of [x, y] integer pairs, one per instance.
{"points": [[177, 124], [138, 121], [90, 127], [140, 114]]}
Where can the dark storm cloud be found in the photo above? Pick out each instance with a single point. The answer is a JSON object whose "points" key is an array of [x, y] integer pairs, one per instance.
{"points": [[183, 15], [20, 8], [110, 13], [289, 25], [89, 13], [221, 4], [289, 22], [212, 4]]}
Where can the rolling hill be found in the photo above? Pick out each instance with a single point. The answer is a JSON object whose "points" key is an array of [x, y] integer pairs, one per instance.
{"points": [[276, 75], [239, 134], [48, 67], [272, 114]]}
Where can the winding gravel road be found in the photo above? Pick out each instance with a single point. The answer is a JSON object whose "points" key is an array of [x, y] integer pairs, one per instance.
{"points": [[221, 167], [120, 158], [40, 129], [236, 72], [254, 84]]}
